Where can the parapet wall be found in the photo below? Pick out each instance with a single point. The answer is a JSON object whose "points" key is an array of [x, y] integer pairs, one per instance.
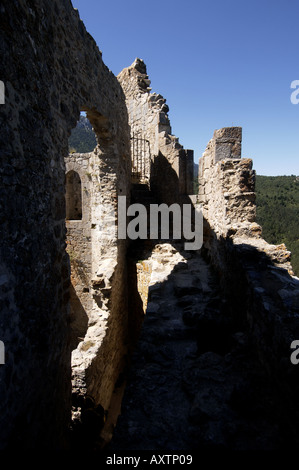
{"points": [[226, 184], [257, 277]]}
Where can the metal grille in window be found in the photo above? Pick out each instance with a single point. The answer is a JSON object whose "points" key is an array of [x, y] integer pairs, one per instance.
{"points": [[141, 159]]}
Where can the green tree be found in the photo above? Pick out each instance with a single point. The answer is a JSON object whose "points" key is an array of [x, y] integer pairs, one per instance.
{"points": [[277, 199]]}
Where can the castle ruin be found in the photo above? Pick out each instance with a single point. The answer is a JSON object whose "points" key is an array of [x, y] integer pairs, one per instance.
{"points": [[73, 294]]}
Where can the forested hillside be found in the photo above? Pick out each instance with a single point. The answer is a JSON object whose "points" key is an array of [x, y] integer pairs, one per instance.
{"points": [[277, 200], [82, 138]]}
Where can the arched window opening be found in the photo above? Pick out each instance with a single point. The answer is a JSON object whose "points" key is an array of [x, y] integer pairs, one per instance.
{"points": [[82, 138], [73, 196]]}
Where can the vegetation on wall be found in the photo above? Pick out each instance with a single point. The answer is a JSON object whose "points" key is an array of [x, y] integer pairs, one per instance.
{"points": [[277, 200]]}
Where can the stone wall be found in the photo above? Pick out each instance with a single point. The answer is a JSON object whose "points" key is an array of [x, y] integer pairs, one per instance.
{"points": [[226, 184], [99, 290], [60, 337], [227, 196], [79, 248], [52, 69], [257, 277], [157, 155]]}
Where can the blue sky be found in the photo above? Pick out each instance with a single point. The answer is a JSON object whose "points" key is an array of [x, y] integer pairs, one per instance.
{"points": [[217, 63]]}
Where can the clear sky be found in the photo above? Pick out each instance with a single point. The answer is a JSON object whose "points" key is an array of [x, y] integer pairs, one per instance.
{"points": [[217, 63]]}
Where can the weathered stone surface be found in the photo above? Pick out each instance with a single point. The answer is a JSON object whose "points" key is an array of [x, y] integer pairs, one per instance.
{"points": [[213, 364], [157, 157], [254, 274], [52, 69]]}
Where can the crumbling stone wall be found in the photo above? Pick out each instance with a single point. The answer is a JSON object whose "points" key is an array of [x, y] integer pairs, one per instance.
{"points": [[227, 195], [93, 249], [52, 69], [165, 165], [79, 246], [226, 183], [257, 276]]}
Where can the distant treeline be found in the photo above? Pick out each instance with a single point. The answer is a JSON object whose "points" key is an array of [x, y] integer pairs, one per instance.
{"points": [[277, 199]]}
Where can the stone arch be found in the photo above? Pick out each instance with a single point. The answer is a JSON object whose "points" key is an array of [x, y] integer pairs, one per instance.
{"points": [[79, 80], [101, 125], [73, 197], [97, 261]]}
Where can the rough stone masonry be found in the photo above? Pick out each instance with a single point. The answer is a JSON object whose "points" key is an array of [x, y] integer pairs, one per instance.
{"points": [[52, 70], [65, 313]]}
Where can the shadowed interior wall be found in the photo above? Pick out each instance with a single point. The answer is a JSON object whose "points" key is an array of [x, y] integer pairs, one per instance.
{"points": [[52, 69]]}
